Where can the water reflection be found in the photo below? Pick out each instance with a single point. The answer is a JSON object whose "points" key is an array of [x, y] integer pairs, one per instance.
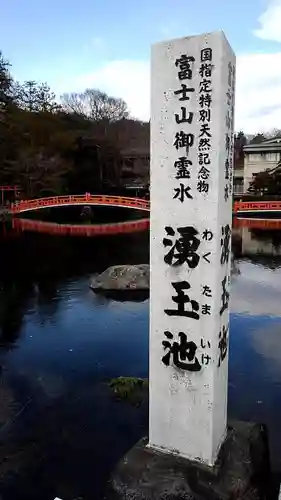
{"points": [[255, 334], [34, 270], [79, 229], [258, 238], [57, 416], [68, 341]]}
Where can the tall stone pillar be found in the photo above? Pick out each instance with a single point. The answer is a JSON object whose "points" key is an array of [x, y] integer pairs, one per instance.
{"points": [[192, 114]]}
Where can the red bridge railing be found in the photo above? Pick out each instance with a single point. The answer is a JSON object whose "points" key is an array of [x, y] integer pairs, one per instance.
{"points": [[123, 201], [257, 206], [87, 199]]}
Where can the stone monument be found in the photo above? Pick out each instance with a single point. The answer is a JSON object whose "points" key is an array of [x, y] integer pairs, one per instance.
{"points": [[193, 85], [192, 135]]}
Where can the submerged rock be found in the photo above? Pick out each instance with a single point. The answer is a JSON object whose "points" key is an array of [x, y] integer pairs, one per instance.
{"points": [[4, 215], [127, 277]]}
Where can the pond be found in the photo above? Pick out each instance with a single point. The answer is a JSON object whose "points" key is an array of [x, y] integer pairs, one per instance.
{"points": [[61, 430]]}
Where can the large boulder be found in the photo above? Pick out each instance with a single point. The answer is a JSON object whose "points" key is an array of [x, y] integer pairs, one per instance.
{"points": [[127, 277]]}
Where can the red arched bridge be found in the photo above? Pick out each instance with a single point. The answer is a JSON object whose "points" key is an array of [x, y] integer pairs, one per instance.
{"points": [[18, 207], [84, 199]]}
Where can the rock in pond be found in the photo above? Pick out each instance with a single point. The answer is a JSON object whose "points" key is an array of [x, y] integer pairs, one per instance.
{"points": [[118, 278]]}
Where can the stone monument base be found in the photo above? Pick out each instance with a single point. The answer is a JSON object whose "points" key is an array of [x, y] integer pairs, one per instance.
{"points": [[242, 471]]}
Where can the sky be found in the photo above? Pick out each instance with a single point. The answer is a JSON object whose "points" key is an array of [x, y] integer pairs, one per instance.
{"points": [[105, 44]]}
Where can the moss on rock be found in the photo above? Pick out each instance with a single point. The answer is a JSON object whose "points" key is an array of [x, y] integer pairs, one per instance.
{"points": [[131, 389]]}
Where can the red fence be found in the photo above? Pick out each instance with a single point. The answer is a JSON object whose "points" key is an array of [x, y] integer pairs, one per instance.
{"points": [[257, 206], [122, 201], [87, 199]]}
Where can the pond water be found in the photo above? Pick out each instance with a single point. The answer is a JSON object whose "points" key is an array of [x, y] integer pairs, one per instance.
{"points": [[61, 430]]}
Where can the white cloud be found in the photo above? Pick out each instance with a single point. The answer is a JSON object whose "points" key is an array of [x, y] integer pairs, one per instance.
{"points": [[258, 90], [270, 22], [124, 78]]}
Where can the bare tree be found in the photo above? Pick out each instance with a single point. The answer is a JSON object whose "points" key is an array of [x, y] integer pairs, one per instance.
{"points": [[73, 103], [95, 105], [274, 133]]}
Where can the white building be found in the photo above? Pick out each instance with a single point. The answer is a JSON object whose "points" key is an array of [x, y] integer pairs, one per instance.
{"points": [[260, 157], [238, 177]]}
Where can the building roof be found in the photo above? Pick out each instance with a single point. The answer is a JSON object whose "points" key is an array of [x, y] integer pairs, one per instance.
{"points": [[264, 146], [272, 140]]}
